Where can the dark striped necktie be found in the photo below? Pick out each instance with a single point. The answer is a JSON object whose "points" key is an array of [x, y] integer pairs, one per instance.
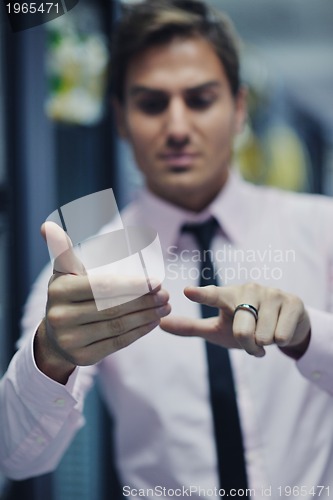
{"points": [[228, 435]]}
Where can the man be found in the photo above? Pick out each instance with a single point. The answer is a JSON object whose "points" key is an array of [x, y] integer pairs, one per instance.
{"points": [[180, 104]]}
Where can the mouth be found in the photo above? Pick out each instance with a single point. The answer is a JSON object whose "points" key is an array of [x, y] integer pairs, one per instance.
{"points": [[179, 162]]}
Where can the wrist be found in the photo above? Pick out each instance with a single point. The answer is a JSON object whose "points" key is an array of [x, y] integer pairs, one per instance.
{"points": [[49, 361]]}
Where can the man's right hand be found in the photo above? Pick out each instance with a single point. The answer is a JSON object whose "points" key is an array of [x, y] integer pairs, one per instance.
{"points": [[73, 332]]}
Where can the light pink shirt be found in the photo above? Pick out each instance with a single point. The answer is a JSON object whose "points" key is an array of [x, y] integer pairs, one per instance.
{"points": [[157, 388]]}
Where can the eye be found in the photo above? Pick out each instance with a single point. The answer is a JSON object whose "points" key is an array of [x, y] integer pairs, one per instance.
{"points": [[153, 106], [200, 102]]}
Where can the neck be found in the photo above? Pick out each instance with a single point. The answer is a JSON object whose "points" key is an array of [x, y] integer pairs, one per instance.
{"points": [[191, 201]]}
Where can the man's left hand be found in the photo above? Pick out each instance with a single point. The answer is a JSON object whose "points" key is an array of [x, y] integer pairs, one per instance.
{"points": [[282, 319]]}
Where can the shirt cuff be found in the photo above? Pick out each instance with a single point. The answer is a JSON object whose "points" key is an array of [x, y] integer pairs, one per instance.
{"points": [[42, 416], [42, 394], [317, 363]]}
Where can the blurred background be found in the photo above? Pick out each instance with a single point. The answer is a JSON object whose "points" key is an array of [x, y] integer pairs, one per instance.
{"points": [[58, 143]]}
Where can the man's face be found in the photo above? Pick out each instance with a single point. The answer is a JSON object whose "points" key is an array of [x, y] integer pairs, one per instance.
{"points": [[180, 118]]}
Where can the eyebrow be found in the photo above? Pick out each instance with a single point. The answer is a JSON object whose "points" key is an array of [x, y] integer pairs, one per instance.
{"points": [[141, 89]]}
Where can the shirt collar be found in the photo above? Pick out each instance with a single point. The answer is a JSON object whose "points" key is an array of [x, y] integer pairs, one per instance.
{"points": [[233, 207], [168, 219]]}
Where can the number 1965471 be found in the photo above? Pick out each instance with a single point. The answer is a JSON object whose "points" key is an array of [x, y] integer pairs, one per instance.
{"points": [[32, 8]]}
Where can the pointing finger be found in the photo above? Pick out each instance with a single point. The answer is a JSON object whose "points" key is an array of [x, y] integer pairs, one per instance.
{"points": [[203, 295]]}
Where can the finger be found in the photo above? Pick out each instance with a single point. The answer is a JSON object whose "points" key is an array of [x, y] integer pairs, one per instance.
{"points": [[187, 327], [61, 249], [210, 295], [266, 324], [79, 288], [116, 285], [244, 323], [215, 296], [82, 313], [100, 349], [244, 328], [89, 334], [124, 324], [150, 300], [288, 320]]}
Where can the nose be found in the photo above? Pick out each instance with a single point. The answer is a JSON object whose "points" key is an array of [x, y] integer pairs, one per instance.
{"points": [[178, 123]]}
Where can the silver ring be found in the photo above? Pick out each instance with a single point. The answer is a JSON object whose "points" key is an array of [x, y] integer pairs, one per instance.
{"points": [[249, 308]]}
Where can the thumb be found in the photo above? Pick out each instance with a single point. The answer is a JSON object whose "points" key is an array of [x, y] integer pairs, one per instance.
{"points": [[61, 249]]}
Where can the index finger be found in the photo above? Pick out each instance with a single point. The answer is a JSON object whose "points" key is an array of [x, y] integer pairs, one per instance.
{"points": [[190, 327], [211, 295], [78, 288]]}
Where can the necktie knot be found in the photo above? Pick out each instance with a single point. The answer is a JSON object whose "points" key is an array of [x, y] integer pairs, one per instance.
{"points": [[203, 232]]}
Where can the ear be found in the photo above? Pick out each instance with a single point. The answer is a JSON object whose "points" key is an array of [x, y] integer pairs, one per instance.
{"points": [[241, 109], [119, 112]]}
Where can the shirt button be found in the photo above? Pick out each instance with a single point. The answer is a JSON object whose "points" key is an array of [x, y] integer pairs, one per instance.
{"points": [[60, 402], [316, 375], [40, 440]]}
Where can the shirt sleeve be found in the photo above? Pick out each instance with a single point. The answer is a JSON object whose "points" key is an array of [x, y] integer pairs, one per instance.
{"points": [[317, 363], [38, 416]]}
